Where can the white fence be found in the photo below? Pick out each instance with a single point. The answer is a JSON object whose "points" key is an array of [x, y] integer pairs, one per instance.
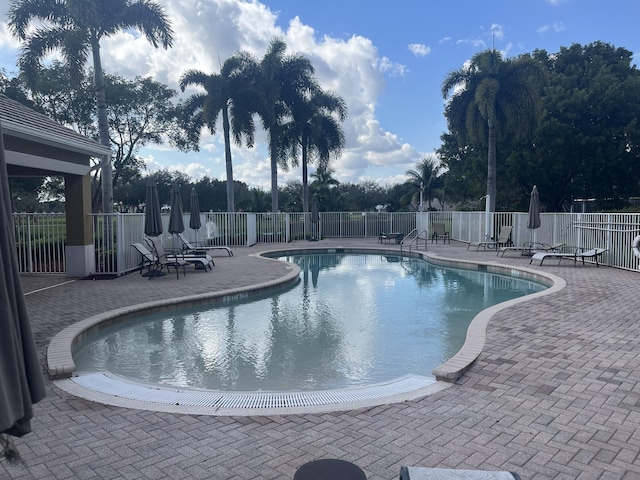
{"points": [[41, 237]]}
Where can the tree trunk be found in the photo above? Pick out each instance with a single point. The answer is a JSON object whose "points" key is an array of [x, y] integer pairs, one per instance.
{"points": [[491, 167], [231, 208], [305, 181], [273, 136], [103, 127]]}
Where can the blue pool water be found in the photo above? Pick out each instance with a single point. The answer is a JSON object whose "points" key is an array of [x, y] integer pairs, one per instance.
{"points": [[352, 320]]}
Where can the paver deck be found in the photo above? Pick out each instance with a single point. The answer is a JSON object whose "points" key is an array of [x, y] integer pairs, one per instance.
{"points": [[554, 394]]}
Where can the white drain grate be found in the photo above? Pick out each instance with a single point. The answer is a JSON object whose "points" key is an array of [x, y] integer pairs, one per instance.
{"points": [[113, 386]]}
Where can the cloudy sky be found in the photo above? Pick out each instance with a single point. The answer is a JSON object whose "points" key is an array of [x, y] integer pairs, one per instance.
{"points": [[386, 59]]}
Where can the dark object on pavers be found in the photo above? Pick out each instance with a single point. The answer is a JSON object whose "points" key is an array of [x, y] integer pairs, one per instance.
{"points": [[329, 469]]}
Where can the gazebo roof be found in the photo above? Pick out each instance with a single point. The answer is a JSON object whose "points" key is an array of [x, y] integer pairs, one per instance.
{"points": [[33, 128]]}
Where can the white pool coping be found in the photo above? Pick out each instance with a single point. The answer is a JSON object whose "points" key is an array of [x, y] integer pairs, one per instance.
{"points": [[110, 389]]}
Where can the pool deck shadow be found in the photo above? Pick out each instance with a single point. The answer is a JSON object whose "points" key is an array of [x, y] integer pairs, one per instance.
{"points": [[553, 394]]}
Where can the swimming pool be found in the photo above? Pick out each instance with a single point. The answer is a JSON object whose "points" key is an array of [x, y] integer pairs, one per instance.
{"points": [[352, 320]]}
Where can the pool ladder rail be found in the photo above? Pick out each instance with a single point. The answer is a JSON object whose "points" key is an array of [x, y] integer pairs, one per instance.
{"points": [[413, 238]]}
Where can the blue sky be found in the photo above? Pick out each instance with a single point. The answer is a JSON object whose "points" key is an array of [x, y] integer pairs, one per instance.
{"points": [[386, 59]]}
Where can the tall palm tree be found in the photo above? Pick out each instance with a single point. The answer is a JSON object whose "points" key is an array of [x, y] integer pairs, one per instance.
{"points": [[282, 80], [314, 132], [490, 96], [425, 178], [230, 94], [75, 28]]}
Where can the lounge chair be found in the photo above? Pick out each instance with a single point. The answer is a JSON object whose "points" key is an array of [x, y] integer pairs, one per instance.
{"points": [[440, 233], [529, 248], [148, 259], [504, 240], [421, 473], [189, 247], [168, 260], [594, 254], [396, 237], [155, 263]]}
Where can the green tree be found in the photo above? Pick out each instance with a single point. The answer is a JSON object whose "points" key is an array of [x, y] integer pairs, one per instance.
{"points": [[75, 28], [492, 97], [425, 178], [282, 80], [314, 133], [231, 94], [587, 144], [140, 112]]}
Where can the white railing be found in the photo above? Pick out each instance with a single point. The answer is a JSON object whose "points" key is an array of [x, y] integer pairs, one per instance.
{"points": [[40, 241], [40, 238]]}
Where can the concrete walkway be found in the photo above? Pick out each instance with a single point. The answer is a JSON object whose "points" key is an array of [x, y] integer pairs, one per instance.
{"points": [[554, 395]]}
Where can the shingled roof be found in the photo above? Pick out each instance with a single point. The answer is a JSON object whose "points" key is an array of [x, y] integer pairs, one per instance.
{"points": [[23, 122]]}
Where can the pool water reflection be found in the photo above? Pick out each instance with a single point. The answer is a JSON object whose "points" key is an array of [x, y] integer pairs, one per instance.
{"points": [[352, 320]]}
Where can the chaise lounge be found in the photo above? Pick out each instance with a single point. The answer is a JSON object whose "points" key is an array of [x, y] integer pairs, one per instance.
{"points": [[155, 264], [529, 248], [504, 240], [594, 254], [188, 247], [422, 473]]}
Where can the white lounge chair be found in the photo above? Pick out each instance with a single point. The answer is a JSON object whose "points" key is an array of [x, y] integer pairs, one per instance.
{"points": [[422, 473], [188, 247], [594, 254], [504, 240]]}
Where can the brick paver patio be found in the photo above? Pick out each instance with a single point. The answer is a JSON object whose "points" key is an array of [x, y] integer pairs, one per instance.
{"points": [[554, 394]]}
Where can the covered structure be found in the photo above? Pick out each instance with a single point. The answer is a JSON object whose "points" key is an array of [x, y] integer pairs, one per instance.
{"points": [[35, 145]]}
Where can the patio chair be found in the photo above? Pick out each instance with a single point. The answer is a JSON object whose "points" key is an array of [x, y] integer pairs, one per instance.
{"points": [[440, 233], [395, 237], [148, 259], [593, 253], [504, 240], [529, 248], [189, 247], [164, 260], [422, 473]]}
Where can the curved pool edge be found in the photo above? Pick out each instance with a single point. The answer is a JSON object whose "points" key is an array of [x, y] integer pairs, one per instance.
{"points": [[61, 365], [454, 368], [112, 390], [60, 362]]}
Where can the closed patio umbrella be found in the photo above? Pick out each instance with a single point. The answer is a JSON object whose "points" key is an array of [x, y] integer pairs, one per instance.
{"points": [[534, 210], [533, 221], [176, 223], [194, 212], [21, 380], [152, 218]]}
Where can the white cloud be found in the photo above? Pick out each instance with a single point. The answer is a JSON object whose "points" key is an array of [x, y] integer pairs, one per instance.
{"points": [[207, 32], [556, 27], [419, 49], [497, 31]]}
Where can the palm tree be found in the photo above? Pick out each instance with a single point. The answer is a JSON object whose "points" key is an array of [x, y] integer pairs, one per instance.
{"points": [[490, 96], [282, 80], [323, 185], [425, 178], [229, 93], [314, 131], [75, 28]]}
